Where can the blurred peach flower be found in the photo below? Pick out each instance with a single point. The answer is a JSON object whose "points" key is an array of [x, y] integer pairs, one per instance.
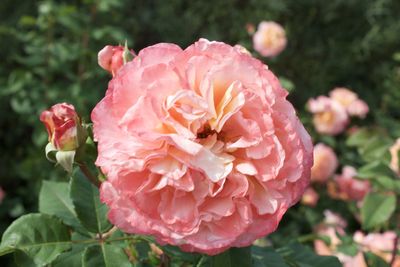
{"points": [[325, 163], [330, 117], [350, 101], [349, 187], [269, 39], [381, 244], [310, 197], [394, 152]]}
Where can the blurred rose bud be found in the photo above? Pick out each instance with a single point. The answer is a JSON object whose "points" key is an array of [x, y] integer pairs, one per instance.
{"points": [[394, 152], [310, 197], [350, 101], [329, 116], [350, 188], [111, 58], [325, 163], [65, 132], [250, 28], [2, 194], [269, 39]]}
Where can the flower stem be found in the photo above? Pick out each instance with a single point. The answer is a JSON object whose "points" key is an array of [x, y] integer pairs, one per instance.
{"points": [[85, 170]]}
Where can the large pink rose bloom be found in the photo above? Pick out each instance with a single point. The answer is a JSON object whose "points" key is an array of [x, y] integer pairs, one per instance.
{"points": [[200, 147], [270, 39]]}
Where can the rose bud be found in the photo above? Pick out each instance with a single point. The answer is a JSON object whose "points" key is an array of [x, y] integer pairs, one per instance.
{"points": [[112, 58], [394, 152], [325, 163], [310, 197], [330, 117], [65, 132], [270, 39]]}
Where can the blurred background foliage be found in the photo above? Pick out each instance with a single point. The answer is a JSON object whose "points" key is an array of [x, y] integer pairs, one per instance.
{"points": [[48, 52]]}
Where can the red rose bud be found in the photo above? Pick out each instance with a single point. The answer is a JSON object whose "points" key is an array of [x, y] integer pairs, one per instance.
{"points": [[65, 131], [61, 123], [112, 58]]}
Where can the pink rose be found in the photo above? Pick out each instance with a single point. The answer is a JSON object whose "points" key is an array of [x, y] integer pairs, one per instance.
{"points": [[62, 124], [329, 116], [349, 187], [310, 197], [394, 152], [200, 147], [325, 163], [350, 101], [270, 39], [111, 58], [2, 194]]}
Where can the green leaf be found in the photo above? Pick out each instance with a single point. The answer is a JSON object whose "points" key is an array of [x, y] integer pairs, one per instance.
{"points": [[175, 252], [86, 200], [71, 258], [267, 256], [296, 254], [23, 260], [375, 148], [374, 260], [377, 209], [359, 138], [40, 236], [234, 257], [374, 169], [54, 200], [105, 256]]}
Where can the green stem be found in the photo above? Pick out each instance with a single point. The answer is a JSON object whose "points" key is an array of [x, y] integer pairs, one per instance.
{"points": [[85, 170], [307, 238]]}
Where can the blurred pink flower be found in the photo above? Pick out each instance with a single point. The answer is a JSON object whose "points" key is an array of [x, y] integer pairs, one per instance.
{"points": [[358, 109], [330, 117], [2, 194], [325, 163], [381, 244], [269, 39], [62, 123], [200, 147], [394, 152], [350, 101], [349, 187], [333, 226], [335, 220], [310, 197]]}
